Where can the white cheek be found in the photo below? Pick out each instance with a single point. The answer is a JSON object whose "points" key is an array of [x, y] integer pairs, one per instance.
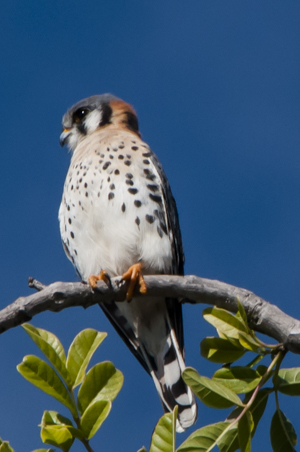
{"points": [[92, 121], [73, 139]]}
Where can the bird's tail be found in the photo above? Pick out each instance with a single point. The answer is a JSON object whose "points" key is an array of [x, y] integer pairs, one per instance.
{"points": [[166, 370]]}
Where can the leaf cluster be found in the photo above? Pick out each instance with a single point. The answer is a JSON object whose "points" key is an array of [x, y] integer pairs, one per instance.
{"points": [[226, 386], [61, 375], [241, 388]]}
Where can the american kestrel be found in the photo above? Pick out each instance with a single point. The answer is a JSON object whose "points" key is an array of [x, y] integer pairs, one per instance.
{"points": [[118, 217]]}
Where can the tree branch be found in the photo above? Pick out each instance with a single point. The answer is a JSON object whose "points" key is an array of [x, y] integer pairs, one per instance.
{"points": [[262, 316]]}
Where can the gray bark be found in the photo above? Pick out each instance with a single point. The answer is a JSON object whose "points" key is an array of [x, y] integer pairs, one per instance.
{"points": [[262, 316]]}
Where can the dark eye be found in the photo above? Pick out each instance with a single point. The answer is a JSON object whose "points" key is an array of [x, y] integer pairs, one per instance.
{"points": [[79, 114]]}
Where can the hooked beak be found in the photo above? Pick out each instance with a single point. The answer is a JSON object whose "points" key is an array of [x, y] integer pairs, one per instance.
{"points": [[64, 136]]}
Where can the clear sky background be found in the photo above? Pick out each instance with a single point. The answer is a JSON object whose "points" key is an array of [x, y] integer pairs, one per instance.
{"points": [[216, 85]]}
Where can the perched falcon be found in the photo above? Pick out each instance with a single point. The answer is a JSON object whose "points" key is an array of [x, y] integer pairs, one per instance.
{"points": [[118, 217]]}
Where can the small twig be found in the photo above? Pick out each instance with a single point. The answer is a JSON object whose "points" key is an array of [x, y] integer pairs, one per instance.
{"points": [[35, 284]]}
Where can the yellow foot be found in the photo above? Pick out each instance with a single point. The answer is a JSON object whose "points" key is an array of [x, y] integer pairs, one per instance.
{"points": [[134, 275], [102, 277]]}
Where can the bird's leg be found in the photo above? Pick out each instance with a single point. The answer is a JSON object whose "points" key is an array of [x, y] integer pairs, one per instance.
{"points": [[134, 275], [103, 276]]}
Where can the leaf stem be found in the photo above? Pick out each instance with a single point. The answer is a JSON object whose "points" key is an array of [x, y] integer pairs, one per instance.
{"points": [[275, 362], [87, 445]]}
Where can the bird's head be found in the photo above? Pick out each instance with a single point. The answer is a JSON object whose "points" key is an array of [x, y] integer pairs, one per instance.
{"points": [[93, 113]]}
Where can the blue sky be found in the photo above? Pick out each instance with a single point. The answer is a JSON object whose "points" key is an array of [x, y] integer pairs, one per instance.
{"points": [[216, 88]]}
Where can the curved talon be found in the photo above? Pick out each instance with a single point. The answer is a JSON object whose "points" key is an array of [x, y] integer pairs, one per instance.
{"points": [[134, 275], [103, 276]]}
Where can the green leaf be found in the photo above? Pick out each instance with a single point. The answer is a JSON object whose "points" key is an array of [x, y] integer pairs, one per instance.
{"points": [[258, 407], [57, 435], [52, 348], [283, 435], [241, 313], [43, 450], [143, 449], [239, 379], [5, 447], [204, 439], [163, 438], [288, 381], [94, 416], [245, 426], [220, 350], [210, 392], [247, 341], [102, 382], [229, 441], [54, 418], [226, 323], [40, 374], [261, 369], [81, 351]]}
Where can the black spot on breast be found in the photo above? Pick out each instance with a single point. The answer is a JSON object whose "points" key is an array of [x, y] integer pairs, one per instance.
{"points": [[147, 154], [120, 157], [152, 187], [123, 208], [111, 156], [137, 203], [108, 149], [85, 185], [129, 176], [138, 221], [68, 207], [70, 221], [117, 172], [146, 161], [134, 148], [133, 191], [86, 194], [112, 186], [72, 234], [108, 179], [149, 174], [106, 165], [80, 180], [150, 218], [72, 187], [98, 194], [75, 251], [129, 182], [155, 198], [115, 149], [111, 195], [127, 162]]}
